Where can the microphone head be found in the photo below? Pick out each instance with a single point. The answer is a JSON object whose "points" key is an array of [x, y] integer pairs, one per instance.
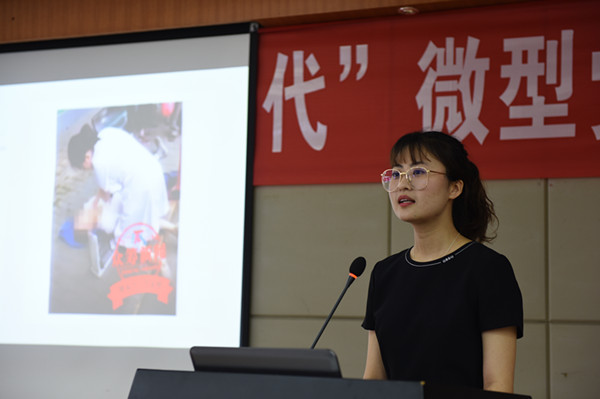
{"points": [[358, 266]]}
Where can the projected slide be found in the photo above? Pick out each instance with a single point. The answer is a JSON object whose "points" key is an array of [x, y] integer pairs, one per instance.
{"points": [[123, 204], [116, 212]]}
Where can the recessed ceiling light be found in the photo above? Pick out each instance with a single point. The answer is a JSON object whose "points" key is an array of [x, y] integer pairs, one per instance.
{"points": [[408, 11]]}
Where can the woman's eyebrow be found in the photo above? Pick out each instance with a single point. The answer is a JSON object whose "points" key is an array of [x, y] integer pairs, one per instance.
{"points": [[414, 163]]}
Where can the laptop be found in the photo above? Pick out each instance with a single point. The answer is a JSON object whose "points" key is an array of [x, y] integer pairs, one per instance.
{"points": [[284, 361]]}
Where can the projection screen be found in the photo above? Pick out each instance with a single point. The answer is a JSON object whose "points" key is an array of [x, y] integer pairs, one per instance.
{"points": [[125, 161]]}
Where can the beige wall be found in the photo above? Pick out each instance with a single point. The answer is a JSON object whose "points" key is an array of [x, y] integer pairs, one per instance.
{"points": [[305, 237]]}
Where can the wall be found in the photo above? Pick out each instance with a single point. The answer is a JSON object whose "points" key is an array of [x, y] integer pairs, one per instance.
{"points": [[306, 236], [24, 20]]}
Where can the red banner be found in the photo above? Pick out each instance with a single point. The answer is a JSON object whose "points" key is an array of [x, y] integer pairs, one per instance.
{"points": [[518, 84]]}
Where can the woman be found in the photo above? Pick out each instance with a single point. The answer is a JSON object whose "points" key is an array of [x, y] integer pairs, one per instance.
{"points": [[447, 310], [130, 179]]}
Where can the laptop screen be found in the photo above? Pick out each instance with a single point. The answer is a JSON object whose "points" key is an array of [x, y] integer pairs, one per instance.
{"points": [[285, 361]]}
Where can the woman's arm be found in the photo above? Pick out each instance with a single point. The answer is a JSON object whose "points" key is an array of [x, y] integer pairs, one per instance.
{"points": [[374, 369], [499, 355]]}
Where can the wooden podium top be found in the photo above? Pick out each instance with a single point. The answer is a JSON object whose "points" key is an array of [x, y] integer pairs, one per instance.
{"points": [[160, 384]]}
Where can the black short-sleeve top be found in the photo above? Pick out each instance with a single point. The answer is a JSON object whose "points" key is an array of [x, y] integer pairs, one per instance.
{"points": [[429, 317]]}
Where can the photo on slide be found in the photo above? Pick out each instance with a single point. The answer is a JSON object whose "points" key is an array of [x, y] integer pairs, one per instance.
{"points": [[116, 210]]}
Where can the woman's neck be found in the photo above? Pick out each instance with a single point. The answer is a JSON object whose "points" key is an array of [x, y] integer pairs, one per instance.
{"points": [[435, 243]]}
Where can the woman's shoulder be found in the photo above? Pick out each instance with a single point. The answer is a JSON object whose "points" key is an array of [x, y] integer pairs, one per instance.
{"points": [[486, 261], [477, 249], [391, 264], [392, 259]]}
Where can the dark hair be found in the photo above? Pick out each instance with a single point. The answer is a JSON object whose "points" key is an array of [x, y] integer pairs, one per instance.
{"points": [[472, 210], [80, 144]]}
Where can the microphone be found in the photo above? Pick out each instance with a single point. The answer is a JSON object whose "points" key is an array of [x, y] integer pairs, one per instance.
{"points": [[356, 269]]}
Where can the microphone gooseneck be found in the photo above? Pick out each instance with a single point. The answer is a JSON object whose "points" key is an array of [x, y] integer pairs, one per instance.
{"points": [[356, 269]]}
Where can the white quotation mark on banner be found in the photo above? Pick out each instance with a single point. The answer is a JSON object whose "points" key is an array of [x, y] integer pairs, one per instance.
{"points": [[303, 86], [362, 59]]}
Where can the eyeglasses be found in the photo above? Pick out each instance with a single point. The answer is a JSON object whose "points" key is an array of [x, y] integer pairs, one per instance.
{"points": [[417, 177]]}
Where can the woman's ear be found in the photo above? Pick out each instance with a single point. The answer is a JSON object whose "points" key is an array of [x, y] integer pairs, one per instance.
{"points": [[456, 188]]}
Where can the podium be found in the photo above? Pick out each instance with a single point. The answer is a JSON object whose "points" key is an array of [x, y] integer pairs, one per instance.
{"points": [[160, 384]]}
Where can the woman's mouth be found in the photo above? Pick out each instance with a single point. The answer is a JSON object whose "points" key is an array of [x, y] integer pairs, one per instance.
{"points": [[405, 200]]}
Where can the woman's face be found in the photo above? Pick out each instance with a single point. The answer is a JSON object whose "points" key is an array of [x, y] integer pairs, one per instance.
{"points": [[87, 162], [431, 204]]}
